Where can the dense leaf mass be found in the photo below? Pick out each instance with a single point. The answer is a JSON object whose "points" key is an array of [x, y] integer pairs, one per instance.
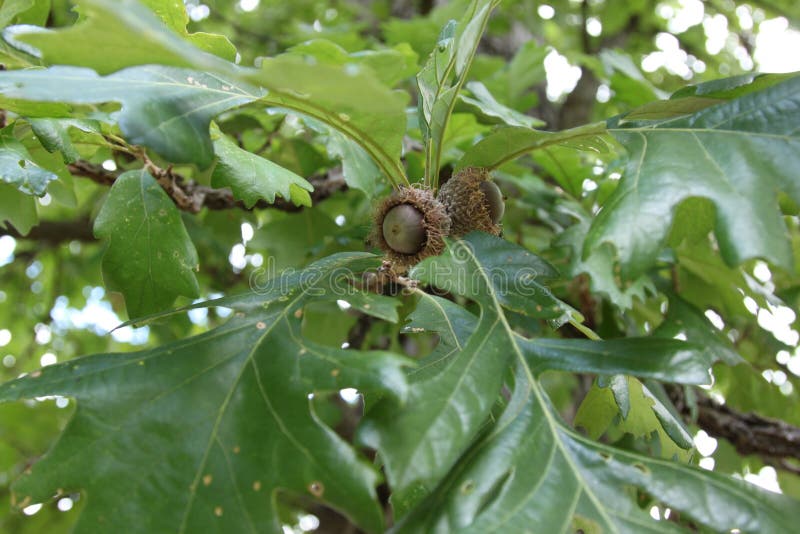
{"points": [[209, 322], [206, 393]]}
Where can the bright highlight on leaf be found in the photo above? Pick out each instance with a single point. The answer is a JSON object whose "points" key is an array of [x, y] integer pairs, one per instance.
{"points": [[17, 169]]}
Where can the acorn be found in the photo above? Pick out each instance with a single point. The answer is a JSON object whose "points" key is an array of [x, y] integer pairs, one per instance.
{"points": [[473, 201], [404, 229], [410, 225]]}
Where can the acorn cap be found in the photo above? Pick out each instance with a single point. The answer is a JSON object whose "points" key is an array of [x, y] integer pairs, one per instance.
{"points": [[473, 202], [434, 219]]}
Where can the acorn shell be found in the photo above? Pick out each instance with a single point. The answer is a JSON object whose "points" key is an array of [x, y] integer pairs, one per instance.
{"points": [[468, 206], [435, 220]]}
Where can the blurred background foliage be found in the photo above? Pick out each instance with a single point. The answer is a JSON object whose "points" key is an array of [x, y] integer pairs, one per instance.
{"points": [[559, 64]]}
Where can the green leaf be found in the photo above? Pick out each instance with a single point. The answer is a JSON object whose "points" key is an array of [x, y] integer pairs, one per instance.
{"points": [[706, 280], [236, 399], [253, 178], [738, 154], [668, 417], [482, 103], [150, 258], [683, 318], [667, 109], [421, 440], [63, 189], [284, 246], [169, 110], [516, 278], [359, 170], [528, 471], [665, 359], [669, 360], [18, 209], [24, 12], [640, 414], [627, 81], [164, 108], [525, 70], [54, 135], [13, 58], [11, 8], [390, 65], [442, 77], [600, 266], [533, 474], [732, 87], [173, 14], [111, 27], [17, 168], [506, 144], [348, 98]]}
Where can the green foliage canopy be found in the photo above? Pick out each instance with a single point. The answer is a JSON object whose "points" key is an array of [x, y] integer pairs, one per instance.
{"points": [[545, 380]]}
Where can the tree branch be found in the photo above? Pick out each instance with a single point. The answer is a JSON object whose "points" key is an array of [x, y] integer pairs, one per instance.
{"points": [[54, 233], [190, 196], [187, 195], [748, 432], [773, 440]]}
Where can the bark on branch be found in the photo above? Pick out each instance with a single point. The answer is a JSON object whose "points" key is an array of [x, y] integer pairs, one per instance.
{"points": [[190, 196], [52, 233], [775, 441]]}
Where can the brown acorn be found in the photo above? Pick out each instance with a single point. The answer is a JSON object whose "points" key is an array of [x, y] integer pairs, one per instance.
{"points": [[410, 225], [473, 202]]}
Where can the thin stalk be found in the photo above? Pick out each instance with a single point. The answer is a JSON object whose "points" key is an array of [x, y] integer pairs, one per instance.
{"points": [[459, 84], [585, 330]]}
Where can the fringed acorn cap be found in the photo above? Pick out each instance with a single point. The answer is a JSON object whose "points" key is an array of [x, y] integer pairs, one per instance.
{"points": [[410, 225], [473, 202]]}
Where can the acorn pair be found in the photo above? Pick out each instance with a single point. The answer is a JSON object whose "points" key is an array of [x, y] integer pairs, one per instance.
{"points": [[411, 224]]}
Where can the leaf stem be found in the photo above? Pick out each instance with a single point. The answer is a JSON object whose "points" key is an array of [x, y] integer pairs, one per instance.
{"points": [[577, 322], [459, 84], [433, 147]]}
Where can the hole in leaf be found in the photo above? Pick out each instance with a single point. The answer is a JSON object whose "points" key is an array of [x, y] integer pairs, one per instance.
{"points": [[468, 487], [316, 488]]}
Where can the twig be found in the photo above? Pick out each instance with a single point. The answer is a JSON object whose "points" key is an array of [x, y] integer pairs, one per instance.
{"points": [[54, 233], [190, 196], [775, 441]]}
